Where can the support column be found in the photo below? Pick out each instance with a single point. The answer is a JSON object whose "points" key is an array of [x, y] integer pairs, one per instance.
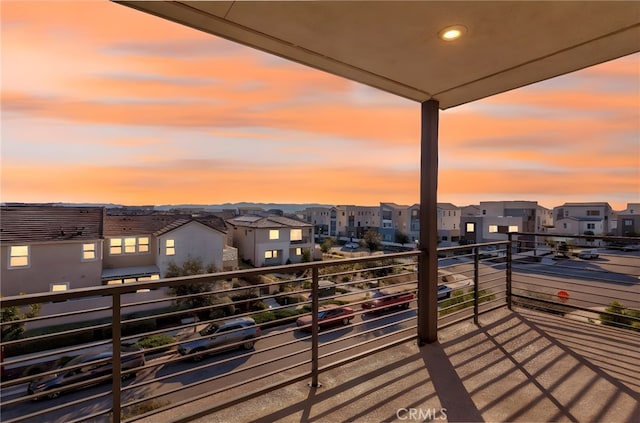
{"points": [[428, 260]]}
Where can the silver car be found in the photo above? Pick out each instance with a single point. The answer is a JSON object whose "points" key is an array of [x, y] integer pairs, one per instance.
{"points": [[85, 370], [221, 336]]}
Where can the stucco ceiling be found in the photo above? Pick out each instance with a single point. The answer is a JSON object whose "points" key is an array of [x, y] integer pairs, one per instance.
{"points": [[394, 45]]}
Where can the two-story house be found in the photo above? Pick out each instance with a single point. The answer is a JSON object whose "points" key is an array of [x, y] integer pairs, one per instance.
{"points": [[583, 219], [141, 247], [46, 248], [629, 220], [496, 218], [271, 240]]}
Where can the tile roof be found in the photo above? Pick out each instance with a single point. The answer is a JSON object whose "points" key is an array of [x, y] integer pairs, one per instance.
{"points": [[155, 223], [39, 223], [267, 222], [121, 225]]}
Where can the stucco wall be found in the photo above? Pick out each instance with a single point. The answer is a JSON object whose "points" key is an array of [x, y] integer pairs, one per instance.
{"points": [[49, 263]]}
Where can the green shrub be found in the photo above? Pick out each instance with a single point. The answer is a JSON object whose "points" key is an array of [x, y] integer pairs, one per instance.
{"points": [[154, 341], [142, 408]]}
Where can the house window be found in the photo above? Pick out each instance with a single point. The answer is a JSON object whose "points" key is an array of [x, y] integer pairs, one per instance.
{"points": [[296, 235], [274, 234], [19, 256], [59, 287], [130, 245], [484, 212], [513, 228], [471, 227], [115, 246], [593, 212], [298, 251], [170, 247], [89, 251], [493, 228], [627, 222], [564, 226], [591, 225], [271, 254], [143, 244]]}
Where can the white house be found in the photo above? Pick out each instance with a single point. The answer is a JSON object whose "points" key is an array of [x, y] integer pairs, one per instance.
{"points": [[271, 240]]}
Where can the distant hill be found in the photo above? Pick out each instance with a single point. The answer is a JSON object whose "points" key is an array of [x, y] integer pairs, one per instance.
{"points": [[285, 207]]}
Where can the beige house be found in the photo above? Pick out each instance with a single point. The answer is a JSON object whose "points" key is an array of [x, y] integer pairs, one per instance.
{"points": [[271, 240], [47, 248], [141, 247], [353, 221]]}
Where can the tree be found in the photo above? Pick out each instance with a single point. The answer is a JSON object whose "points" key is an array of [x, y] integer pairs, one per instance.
{"points": [[402, 238], [372, 238], [326, 245], [15, 314], [306, 255], [189, 268]]}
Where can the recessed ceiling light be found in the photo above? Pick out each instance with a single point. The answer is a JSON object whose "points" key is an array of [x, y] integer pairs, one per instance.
{"points": [[452, 32]]}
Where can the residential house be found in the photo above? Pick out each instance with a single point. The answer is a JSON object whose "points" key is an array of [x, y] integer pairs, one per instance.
{"points": [[449, 216], [448, 223], [203, 239], [323, 219], [394, 220], [629, 220], [583, 219], [354, 221], [142, 247], [497, 218], [271, 240], [47, 248]]}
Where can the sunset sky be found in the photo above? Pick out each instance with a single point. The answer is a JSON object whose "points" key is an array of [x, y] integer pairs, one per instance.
{"points": [[102, 103]]}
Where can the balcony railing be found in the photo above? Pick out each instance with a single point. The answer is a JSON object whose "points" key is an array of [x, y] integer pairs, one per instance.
{"points": [[527, 270]]}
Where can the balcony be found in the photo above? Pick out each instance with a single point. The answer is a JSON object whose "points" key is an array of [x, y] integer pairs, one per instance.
{"points": [[527, 331]]}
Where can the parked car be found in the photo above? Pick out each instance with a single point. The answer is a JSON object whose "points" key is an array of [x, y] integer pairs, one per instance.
{"points": [[221, 336], [352, 245], [382, 302], [444, 292], [85, 368], [328, 315], [588, 254]]}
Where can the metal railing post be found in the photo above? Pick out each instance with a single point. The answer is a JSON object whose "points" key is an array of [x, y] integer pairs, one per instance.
{"points": [[476, 283], [315, 300], [509, 268], [116, 375]]}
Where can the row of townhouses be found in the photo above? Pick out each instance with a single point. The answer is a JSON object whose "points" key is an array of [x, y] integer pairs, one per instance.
{"points": [[48, 248], [486, 222]]}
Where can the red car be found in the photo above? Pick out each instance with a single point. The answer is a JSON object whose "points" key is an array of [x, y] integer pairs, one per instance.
{"points": [[328, 315], [383, 302]]}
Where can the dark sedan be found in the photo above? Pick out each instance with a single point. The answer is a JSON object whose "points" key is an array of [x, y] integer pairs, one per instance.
{"points": [[382, 302]]}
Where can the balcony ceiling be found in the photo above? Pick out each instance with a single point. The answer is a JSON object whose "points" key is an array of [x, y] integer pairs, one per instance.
{"points": [[394, 45]]}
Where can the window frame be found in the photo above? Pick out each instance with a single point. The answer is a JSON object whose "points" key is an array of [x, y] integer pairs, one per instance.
{"points": [[296, 231], [14, 258], [170, 247], [94, 250]]}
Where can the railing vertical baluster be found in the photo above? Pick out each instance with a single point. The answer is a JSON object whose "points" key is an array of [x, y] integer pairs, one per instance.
{"points": [[476, 283], [116, 382], [509, 268], [315, 300]]}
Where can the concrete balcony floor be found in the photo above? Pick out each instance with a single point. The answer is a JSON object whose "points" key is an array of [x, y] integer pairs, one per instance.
{"points": [[519, 365]]}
